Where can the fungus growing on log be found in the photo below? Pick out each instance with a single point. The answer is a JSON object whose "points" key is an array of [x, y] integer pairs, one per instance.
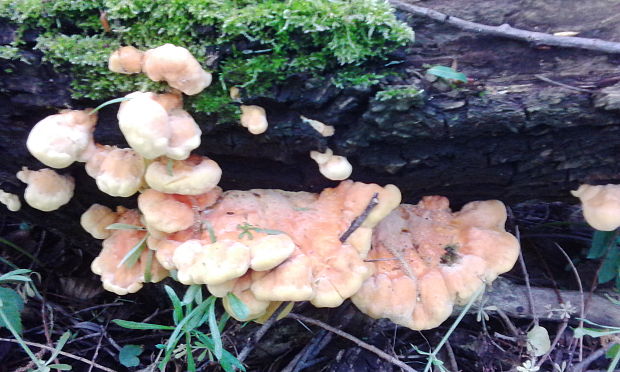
{"points": [[254, 118], [601, 205], [193, 176], [333, 167], [120, 272], [126, 60], [46, 190], [164, 213], [59, 140], [178, 67], [97, 218], [323, 129], [426, 259], [11, 201], [117, 172]]}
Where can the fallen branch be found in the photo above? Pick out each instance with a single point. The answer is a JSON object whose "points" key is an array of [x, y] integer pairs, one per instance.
{"points": [[253, 340], [505, 30], [380, 353], [359, 220]]}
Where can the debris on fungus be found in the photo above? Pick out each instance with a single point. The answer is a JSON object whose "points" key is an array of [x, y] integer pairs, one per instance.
{"points": [[426, 259], [178, 67], [126, 60], [46, 190], [120, 272], [332, 167], [254, 118], [59, 140], [11, 201], [601, 205]]}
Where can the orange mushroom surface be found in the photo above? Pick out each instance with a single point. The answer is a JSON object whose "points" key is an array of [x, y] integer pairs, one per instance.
{"points": [[126, 277], [426, 259]]}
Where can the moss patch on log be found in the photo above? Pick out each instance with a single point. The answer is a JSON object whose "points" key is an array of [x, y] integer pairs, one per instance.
{"points": [[251, 44]]}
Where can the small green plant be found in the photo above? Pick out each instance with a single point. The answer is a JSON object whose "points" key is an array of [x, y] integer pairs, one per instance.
{"points": [[187, 340], [606, 246], [613, 352], [11, 305], [447, 73], [399, 92]]}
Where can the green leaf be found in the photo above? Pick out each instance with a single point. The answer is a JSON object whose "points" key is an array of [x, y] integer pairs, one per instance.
{"points": [[191, 293], [610, 265], [143, 326], [191, 363], [62, 367], [174, 337], [133, 255], [148, 274], [594, 332], [177, 313], [115, 100], [447, 73], [538, 342], [11, 304], [601, 241], [209, 228], [128, 355], [237, 306], [60, 344], [215, 332], [613, 351], [124, 226]]}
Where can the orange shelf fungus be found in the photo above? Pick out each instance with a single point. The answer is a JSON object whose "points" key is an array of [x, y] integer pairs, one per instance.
{"points": [[426, 259], [126, 60], [126, 277], [256, 224], [59, 140], [601, 205], [164, 213], [46, 190], [97, 218], [178, 67]]}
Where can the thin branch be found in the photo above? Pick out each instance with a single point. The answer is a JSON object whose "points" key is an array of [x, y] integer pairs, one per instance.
{"points": [[547, 80], [68, 355], [249, 346], [359, 220], [506, 31], [380, 353], [526, 277]]}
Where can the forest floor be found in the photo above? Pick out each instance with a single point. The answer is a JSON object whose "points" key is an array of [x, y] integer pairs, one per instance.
{"points": [[487, 339]]}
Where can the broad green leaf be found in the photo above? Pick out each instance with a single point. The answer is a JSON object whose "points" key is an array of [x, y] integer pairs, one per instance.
{"points": [[609, 268], [134, 254], [239, 309], [128, 355], [124, 226], [215, 332], [601, 241], [613, 351], [11, 304], [538, 342], [447, 73], [138, 325]]}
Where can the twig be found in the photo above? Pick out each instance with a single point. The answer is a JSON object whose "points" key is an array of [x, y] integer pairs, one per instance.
{"points": [[249, 346], [505, 30], [526, 277], [68, 355], [546, 79], [380, 353], [357, 222], [452, 358], [96, 354]]}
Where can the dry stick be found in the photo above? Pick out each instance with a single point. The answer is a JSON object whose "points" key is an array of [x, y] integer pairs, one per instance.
{"points": [[546, 79], [357, 222], [526, 277], [451, 356], [68, 355], [259, 334], [380, 353], [96, 354], [505, 30]]}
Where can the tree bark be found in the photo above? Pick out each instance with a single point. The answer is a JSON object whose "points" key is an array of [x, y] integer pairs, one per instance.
{"points": [[517, 130]]}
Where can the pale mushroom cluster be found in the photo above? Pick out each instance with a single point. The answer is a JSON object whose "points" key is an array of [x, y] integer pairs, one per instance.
{"points": [[264, 246], [601, 205]]}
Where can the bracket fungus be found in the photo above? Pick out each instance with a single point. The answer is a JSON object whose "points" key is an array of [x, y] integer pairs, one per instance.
{"points": [[193, 176], [11, 201], [59, 140], [46, 190], [426, 259], [254, 118], [333, 167], [601, 205], [117, 172], [126, 60], [120, 272], [178, 67], [97, 218]]}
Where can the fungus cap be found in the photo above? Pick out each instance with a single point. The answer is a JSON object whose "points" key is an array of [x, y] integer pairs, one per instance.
{"points": [[117, 172], [254, 118], [192, 176], [126, 60], [163, 212], [184, 136], [10, 200], [427, 258], [178, 67], [333, 167], [46, 190], [601, 205], [323, 129], [59, 140], [96, 219]]}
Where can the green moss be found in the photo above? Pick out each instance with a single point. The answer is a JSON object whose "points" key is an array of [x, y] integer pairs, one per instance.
{"points": [[401, 92], [253, 44]]}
